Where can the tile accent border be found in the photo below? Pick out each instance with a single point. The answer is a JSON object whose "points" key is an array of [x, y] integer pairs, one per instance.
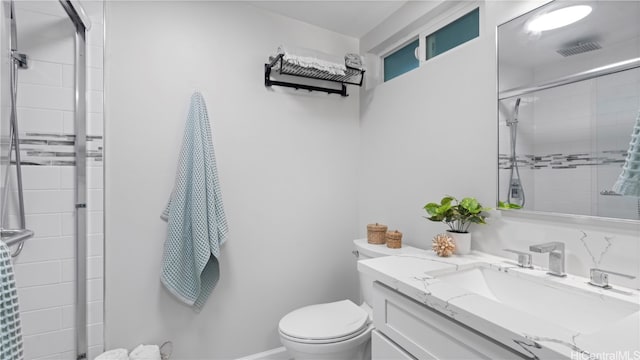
{"points": [[44, 149], [564, 161]]}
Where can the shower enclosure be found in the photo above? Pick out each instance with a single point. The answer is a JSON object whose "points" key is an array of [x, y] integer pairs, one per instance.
{"points": [[51, 171]]}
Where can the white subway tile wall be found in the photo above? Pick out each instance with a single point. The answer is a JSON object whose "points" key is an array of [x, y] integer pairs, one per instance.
{"points": [[45, 271]]}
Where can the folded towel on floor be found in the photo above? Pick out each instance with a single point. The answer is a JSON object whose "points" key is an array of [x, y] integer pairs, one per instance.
{"points": [[145, 352], [355, 61], [197, 225], [115, 354], [313, 59], [10, 330]]}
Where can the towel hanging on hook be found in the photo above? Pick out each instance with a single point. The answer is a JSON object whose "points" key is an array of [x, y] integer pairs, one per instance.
{"points": [[197, 224]]}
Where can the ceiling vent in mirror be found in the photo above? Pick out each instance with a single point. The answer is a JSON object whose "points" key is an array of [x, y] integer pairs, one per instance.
{"points": [[579, 48]]}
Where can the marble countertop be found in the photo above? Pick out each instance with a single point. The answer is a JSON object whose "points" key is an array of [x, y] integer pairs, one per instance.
{"points": [[416, 275]]}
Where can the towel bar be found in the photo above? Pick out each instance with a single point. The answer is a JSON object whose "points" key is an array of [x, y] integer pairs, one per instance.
{"points": [[15, 236], [352, 76]]}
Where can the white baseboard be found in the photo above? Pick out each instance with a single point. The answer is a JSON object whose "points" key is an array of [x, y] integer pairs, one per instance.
{"points": [[273, 354]]}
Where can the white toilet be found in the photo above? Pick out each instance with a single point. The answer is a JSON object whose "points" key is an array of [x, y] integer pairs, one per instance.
{"points": [[339, 330]]}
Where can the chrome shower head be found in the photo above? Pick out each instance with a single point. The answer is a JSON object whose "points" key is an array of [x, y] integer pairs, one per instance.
{"points": [[514, 120], [13, 40]]}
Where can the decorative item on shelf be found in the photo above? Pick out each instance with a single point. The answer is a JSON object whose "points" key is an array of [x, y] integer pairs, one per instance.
{"points": [[459, 215], [376, 233], [394, 239], [443, 245]]}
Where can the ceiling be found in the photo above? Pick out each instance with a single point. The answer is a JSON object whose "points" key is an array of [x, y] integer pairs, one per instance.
{"points": [[351, 18]]}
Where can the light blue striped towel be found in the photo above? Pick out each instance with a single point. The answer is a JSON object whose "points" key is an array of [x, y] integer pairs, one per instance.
{"points": [[197, 225], [10, 330], [628, 182]]}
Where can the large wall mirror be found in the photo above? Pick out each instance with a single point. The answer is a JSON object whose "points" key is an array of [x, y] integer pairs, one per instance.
{"points": [[569, 100]]}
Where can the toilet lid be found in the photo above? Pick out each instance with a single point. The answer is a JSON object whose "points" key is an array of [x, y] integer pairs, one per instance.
{"points": [[324, 321]]}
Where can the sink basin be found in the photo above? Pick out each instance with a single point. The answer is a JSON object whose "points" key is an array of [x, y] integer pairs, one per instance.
{"points": [[565, 306]]}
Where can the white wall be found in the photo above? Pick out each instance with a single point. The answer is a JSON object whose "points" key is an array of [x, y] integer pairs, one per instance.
{"points": [[433, 131], [287, 165], [45, 269], [428, 133]]}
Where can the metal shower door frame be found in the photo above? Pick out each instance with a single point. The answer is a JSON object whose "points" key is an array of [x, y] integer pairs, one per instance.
{"points": [[81, 25]]}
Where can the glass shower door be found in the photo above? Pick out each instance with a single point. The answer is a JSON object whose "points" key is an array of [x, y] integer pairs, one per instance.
{"points": [[54, 300]]}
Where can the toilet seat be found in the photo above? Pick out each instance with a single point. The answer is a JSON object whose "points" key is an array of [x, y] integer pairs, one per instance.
{"points": [[324, 323], [325, 341]]}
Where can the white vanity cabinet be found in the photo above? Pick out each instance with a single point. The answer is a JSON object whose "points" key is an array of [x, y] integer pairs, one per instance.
{"points": [[410, 330], [384, 349]]}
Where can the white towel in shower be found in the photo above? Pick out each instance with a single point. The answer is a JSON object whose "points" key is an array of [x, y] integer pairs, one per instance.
{"points": [[115, 354], [145, 352]]}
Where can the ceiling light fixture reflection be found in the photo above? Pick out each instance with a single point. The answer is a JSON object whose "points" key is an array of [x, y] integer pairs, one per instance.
{"points": [[559, 18]]}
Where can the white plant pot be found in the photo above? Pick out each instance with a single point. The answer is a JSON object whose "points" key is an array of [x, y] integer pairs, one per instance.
{"points": [[463, 242]]}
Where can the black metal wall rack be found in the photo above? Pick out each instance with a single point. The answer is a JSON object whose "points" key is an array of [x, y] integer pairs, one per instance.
{"points": [[352, 76]]}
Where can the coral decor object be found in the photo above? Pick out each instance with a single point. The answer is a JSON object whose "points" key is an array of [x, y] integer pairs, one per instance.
{"points": [[443, 245]]}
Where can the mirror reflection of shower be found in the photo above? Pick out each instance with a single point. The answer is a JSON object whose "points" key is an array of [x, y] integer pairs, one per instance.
{"points": [[515, 195], [567, 99], [570, 142]]}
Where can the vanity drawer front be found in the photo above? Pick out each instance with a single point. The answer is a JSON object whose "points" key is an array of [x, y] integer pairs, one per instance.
{"points": [[384, 349], [426, 333]]}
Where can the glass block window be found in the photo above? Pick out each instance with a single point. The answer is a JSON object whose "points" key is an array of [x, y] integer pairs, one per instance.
{"points": [[401, 61], [456, 33]]}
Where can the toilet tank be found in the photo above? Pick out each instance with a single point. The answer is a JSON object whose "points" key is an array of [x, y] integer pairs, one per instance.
{"points": [[363, 250]]}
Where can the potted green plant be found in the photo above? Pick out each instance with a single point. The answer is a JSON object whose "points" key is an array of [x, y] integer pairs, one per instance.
{"points": [[458, 215]]}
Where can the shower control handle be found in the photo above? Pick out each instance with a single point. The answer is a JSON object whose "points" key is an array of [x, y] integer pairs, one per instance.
{"points": [[524, 258], [20, 59], [600, 277]]}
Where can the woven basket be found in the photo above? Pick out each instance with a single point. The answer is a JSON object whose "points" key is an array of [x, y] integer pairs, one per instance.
{"points": [[394, 239], [376, 233]]}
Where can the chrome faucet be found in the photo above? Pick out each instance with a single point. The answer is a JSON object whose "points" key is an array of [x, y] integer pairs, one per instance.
{"points": [[556, 256], [600, 278]]}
